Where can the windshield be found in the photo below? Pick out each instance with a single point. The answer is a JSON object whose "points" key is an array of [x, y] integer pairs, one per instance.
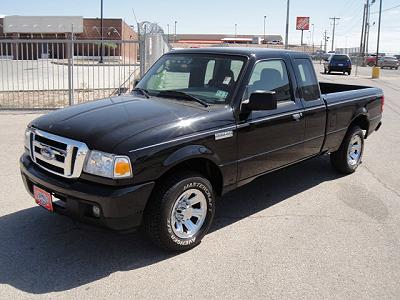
{"points": [[210, 78]]}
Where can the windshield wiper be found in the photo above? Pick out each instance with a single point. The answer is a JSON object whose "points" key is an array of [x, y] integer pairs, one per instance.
{"points": [[172, 93], [142, 91]]}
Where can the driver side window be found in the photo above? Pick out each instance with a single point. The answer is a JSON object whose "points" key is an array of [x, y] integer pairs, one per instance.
{"points": [[271, 75]]}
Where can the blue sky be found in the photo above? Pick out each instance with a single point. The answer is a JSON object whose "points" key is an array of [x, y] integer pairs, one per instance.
{"points": [[219, 16]]}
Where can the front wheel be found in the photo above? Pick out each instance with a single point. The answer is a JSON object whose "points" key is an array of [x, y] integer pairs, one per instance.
{"points": [[180, 211], [348, 157]]}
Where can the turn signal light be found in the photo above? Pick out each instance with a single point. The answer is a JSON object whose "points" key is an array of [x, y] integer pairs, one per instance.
{"points": [[122, 167]]}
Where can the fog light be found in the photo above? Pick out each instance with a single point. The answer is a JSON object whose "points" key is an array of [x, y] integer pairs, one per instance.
{"points": [[96, 211]]}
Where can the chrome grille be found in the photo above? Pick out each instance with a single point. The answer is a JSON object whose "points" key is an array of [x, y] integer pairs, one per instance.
{"points": [[56, 154]]}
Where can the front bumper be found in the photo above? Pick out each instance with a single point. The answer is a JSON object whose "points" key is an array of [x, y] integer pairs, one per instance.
{"points": [[121, 207]]}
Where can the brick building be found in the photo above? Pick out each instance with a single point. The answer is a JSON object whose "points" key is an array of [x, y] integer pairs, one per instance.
{"points": [[61, 28]]}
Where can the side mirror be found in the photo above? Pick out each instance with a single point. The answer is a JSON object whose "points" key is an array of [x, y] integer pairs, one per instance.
{"points": [[261, 100], [135, 83]]}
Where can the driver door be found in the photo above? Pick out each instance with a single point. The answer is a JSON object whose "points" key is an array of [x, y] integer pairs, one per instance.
{"points": [[271, 139]]}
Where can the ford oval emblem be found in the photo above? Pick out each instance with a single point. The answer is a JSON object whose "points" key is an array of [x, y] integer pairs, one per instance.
{"points": [[47, 153]]}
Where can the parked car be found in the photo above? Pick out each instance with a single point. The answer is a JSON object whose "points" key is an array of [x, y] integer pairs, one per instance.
{"points": [[370, 60], [389, 62], [275, 42], [327, 55], [338, 63], [200, 123], [318, 55]]}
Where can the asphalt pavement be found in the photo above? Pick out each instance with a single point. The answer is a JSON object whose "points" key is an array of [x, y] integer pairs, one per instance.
{"points": [[302, 232]]}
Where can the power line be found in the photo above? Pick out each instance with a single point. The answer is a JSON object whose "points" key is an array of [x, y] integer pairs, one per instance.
{"points": [[387, 9], [333, 31]]}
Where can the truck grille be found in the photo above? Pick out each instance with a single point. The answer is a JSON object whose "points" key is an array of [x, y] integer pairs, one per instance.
{"points": [[56, 154]]}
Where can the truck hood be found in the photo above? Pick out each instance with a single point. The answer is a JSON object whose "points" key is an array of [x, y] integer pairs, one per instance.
{"points": [[105, 123]]}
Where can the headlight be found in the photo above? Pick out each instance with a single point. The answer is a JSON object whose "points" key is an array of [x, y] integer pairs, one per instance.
{"points": [[108, 165], [27, 139]]}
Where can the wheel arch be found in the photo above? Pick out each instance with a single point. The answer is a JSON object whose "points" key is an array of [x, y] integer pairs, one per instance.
{"points": [[196, 158], [361, 120]]}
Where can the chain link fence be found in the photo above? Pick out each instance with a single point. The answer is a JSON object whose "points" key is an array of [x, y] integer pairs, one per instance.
{"points": [[154, 44]]}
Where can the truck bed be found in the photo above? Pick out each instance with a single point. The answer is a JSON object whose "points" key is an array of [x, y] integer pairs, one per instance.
{"points": [[329, 88]]}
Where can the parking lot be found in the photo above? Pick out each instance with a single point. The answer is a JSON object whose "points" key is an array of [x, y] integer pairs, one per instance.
{"points": [[303, 232]]}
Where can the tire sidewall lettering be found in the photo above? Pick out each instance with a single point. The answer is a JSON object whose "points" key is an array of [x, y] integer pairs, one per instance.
{"points": [[209, 197]]}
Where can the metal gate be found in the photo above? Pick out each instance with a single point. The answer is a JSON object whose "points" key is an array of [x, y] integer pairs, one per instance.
{"points": [[49, 74]]}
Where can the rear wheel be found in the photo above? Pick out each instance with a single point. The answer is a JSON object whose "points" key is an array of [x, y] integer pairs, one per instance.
{"points": [[180, 211], [348, 157], [349, 72]]}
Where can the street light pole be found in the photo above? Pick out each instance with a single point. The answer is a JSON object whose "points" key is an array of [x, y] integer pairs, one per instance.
{"points": [[175, 32], [312, 37], [265, 20], [287, 25], [235, 30], [168, 33], [101, 32]]}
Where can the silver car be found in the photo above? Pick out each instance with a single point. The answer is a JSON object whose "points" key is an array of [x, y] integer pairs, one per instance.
{"points": [[390, 62]]}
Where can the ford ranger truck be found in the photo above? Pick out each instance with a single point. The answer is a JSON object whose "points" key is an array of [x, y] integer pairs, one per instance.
{"points": [[200, 123]]}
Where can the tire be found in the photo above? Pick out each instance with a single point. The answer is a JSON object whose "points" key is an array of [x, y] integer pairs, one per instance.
{"points": [[397, 68], [349, 73], [341, 159], [167, 205], [329, 71], [324, 71], [371, 64]]}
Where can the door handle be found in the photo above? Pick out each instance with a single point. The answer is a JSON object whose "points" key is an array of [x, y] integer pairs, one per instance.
{"points": [[297, 117]]}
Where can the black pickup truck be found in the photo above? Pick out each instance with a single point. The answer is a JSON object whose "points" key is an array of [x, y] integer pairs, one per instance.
{"points": [[200, 123]]}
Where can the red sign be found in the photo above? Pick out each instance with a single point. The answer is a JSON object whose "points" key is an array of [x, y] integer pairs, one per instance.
{"points": [[302, 23]]}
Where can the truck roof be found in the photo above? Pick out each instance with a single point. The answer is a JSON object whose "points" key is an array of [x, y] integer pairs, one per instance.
{"points": [[244, 51]]}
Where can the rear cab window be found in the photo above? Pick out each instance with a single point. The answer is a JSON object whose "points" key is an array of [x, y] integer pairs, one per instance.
{"points": [[306, 79]]}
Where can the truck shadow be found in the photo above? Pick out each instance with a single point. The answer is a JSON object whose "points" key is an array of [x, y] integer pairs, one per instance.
{"points": [[42, 253], [334, 73]]}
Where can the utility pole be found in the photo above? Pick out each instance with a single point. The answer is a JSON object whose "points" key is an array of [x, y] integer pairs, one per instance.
{"points": [[333, 32], [362, 48], [379, 33], [287, 25], [366, 30]]}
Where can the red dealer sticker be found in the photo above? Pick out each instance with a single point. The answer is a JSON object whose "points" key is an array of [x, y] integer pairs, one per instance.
{"points": [[43, 198]]}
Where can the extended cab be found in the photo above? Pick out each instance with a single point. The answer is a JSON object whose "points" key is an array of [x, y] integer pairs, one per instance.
{"points": [[200, 123]]}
